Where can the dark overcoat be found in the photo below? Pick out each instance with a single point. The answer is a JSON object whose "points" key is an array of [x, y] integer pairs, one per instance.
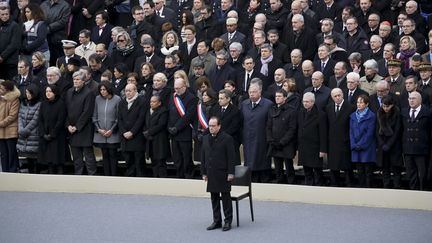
{"points": [[281, 131], [339, 150], [389, 132], [52, 117], [184, 123], [312, 137], [217, 161], [362, 135], [416, 134], [132, 120], [80, 106], [254, 134], [157, 140]]}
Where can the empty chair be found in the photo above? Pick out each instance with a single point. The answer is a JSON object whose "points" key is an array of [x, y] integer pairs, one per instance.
{"points": [[242, 180]]}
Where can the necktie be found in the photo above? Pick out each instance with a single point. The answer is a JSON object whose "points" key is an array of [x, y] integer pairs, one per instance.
{"points": [[413, 114], [246, 81], [350, 95], [315, 90], [229, 37], [322, 66], [337, 109], [254, 105], [379, 101], [158, 13], [223, 111], [22, 80]]}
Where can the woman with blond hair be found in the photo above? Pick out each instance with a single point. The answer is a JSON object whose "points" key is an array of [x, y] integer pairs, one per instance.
{"points": [[170, 43], [407, 49]]}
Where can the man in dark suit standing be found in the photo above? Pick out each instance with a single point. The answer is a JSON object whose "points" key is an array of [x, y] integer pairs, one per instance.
{"points": [[339, 151], [232, 35], [182, 113], [150, 56], [188, 49], [321, 92], [267, 64], [230, 119], [416, 140], [338, 80], [217, 169], [101, 33], [324, 64], [352, 91], [243, 78], [167, 14]]}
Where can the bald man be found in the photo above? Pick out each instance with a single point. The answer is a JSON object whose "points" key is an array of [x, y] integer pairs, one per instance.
{"points": [[416, 140], [322, 92]]}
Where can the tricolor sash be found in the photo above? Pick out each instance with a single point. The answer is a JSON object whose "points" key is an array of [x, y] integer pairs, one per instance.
{"points": [[201, 117], [180, 107]]}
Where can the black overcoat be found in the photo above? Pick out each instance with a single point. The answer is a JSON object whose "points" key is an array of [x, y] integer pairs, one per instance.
{"points": [[389, 132], [312, 137], [339, 150], [281, 131], [132, 120], [217, 161], [52, 116], [157, 139], [80, 106]]}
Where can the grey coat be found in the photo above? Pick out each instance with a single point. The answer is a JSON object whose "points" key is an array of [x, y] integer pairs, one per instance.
{"points": [[105, 116], [28, 130]]}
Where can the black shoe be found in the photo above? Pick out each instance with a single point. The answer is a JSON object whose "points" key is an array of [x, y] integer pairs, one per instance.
{"points": [[226, 227], [214, 225]]}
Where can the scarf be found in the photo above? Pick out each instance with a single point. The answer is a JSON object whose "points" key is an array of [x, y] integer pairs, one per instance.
{"points": [[264, 67], [404, 56], [131, 101], [361, 114], [167, 51], [126, 51]]}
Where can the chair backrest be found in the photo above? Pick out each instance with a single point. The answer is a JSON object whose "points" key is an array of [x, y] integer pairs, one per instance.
{"points": [[242, 176]]}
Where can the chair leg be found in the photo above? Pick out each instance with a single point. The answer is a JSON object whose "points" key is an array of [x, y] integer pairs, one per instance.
{"points": [[251, 207], [237, 213]]}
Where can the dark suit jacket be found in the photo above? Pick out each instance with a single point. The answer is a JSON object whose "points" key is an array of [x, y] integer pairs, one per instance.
{"points": [[426, 57], [356, 94], [322, 96], [187, 58], [238, 37], [328, 69], [272, 66], [132, 120], [105, 36], [382, 68], [240, 80], [157, 62], [416, 134], [374, 102], [169, 15], [183, 123], [333, 83], [157, 134], [217, 161]]}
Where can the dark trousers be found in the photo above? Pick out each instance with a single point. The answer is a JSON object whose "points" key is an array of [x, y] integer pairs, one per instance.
{"points": [[109, 160], [262, 176], [9, 155], [365, 174], [279, 170], [335, 179], [416, 170], [313, 176], [81, 155], [8, 71], [182, 156], [135, 163], [226, 204], [387, 169], [159, 168]]}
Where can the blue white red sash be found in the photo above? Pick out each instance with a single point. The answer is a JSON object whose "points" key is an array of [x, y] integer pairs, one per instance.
{"points": [[179, 105], [201, 117]]}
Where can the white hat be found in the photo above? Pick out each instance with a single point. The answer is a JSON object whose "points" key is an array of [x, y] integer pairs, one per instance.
{"points": [[69, 43]]}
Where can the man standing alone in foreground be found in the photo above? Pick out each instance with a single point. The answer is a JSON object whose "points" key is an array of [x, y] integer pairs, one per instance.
{"points": [[217, 168]]}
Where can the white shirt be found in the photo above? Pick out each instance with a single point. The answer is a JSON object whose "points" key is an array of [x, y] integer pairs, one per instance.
{"points": [[417, 110]]}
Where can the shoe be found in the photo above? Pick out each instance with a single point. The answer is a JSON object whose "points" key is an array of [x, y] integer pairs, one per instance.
{"points": [[214, 225], [226, 227]]}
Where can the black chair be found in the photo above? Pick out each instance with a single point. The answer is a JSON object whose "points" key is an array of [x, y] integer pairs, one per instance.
{"points": [[242, 178]]}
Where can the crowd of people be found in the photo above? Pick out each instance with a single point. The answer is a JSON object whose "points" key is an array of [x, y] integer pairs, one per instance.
{"points": [[343, 85]]}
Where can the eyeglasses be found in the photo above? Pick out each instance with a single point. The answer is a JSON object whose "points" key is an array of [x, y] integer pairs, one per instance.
{"points": [[121, 40]]}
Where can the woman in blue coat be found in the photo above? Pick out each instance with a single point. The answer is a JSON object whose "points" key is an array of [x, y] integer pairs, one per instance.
{"points": [[362, 138]]}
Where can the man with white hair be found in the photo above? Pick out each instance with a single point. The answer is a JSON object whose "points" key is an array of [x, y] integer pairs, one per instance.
{"points": [[300, 36], [236, 57], [368, 82], [376, 50], [413, 12], [254, 111], [293, 69], [339, 151], [338, 80], [312, 140], [353, 91], [321, 92]]}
